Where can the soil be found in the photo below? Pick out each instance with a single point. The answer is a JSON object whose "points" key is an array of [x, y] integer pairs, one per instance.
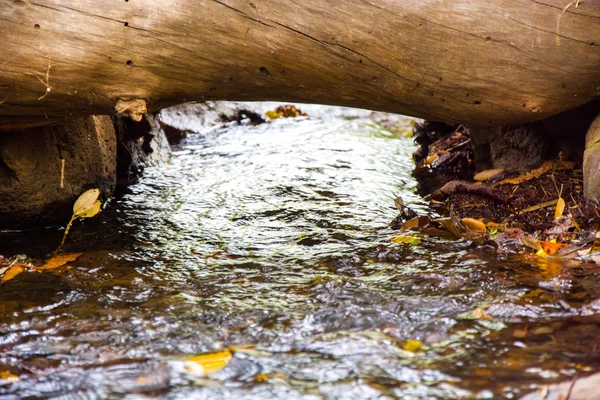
{"points": [[518, 202]]}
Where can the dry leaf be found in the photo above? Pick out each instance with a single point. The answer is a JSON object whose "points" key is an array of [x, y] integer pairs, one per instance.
{"points": [[86, 202], [58, 260], [93, 210], [206, 364], [560, 208], [487, 174], [473, 224], [533, 174], [12, 272]]}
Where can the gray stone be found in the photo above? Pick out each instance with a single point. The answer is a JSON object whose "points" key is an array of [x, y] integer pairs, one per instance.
{"points": [[44, 169]]}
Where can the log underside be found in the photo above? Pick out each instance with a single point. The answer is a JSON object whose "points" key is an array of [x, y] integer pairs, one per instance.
{"points": [[477, 62]]}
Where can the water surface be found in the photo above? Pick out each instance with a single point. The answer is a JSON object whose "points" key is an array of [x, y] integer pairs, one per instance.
{"points": [[275, 238]]}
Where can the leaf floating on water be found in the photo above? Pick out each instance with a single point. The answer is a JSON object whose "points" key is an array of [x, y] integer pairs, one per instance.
{"points": [[12, 272], [207, 364], [541, 253], [406, 239], [412, 345], [560, 208], [8, 377], [551, 247], [473, 224], [487, 174], [58, 260], [86, 202]]}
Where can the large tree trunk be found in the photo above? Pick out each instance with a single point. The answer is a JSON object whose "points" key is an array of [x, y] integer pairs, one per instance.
{"points": [[479, 62]]}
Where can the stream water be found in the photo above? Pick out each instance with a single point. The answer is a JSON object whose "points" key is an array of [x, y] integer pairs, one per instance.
{"points": [[275, 239]]}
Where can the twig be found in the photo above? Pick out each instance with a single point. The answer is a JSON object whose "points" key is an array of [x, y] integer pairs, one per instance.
{"points": [[62, 173], [571, 388]]}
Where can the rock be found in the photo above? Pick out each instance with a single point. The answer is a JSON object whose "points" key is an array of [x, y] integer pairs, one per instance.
{"points": [[141, 144], [576, 389], [44, 169], [513, 148], [591, 162]]}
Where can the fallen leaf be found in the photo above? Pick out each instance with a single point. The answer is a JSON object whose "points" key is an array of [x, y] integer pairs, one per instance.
{"points": [[487, 174], [551, 247], [560, 208], [58, 260], [538, 206], [86, 201], [406, 239], [272, 114], [431, 159], [8, 377], [411, 224], [541, 253], [533, 174], [12, 272], [93, 210], [479, 313], [473, 224], [206, 364], [412, 345]]}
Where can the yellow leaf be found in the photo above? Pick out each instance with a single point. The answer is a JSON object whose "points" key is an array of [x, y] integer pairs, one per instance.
{"points": [[550, 247], [560, 208], [479, 313], [406, 239], [90, 212], [473, 224], [533, 174], [487, 174], [58, 260], [9, 377], [12, 272], [541, 253], [272, 114], [431, 158], [206, 364], [412, 345], [86, 201]]}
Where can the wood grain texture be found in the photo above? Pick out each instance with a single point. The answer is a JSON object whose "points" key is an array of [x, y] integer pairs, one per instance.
{"points": [[478, 62]]}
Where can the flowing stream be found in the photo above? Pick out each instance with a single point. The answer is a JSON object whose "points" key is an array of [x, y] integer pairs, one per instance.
{"points": [[273, 240]]}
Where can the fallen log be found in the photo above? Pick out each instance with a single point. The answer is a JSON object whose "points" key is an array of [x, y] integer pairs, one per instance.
{"points": [[477, 62]]}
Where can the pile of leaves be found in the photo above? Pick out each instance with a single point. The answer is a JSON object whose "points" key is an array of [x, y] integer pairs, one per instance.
{"points": [[542, 211]]}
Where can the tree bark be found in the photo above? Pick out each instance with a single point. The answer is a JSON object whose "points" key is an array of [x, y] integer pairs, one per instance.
{"points": [[477, 62]]}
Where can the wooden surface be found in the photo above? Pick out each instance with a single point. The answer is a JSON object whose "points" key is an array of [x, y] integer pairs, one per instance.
{"points": [[479, 62]]}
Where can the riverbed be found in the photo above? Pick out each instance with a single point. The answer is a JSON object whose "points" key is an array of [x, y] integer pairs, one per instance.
{"points": [[273, 242]]}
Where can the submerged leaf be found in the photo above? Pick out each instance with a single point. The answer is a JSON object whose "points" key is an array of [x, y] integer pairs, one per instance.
{"points": [[406, 239], [206, 364], [85, 202], [58, 260], [412, 345], [8, 376], [12, 272]]}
